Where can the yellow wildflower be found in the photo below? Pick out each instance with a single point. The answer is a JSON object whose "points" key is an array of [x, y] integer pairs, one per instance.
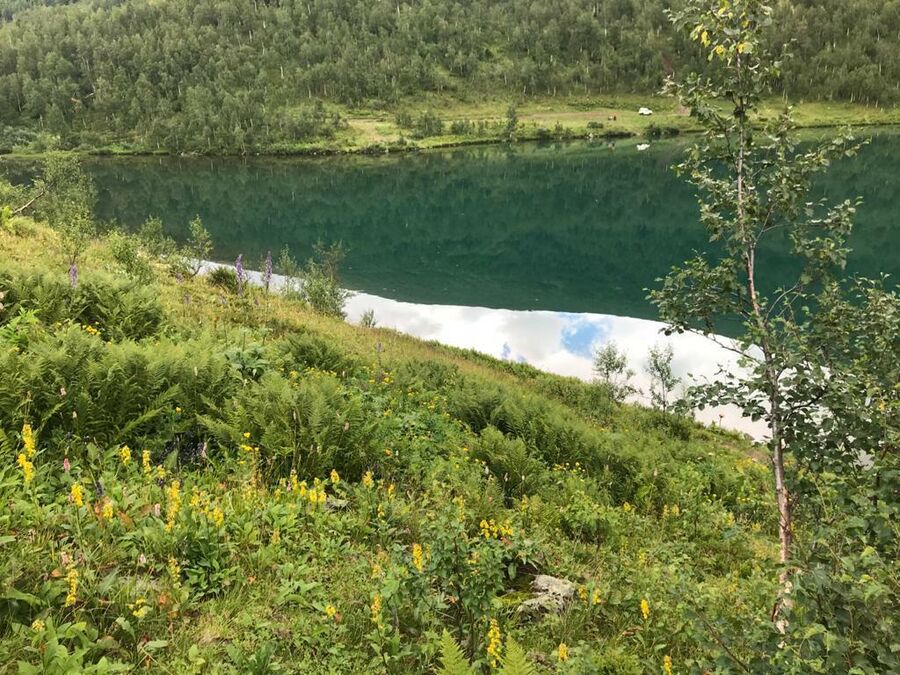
{"points": [[582, 593], [27, 468], [595, 597], [562, 652], [37, 626], [627, 508], [139, 608], [173, 503], [330, 611], [335, 477], [390, 491], [704, 38], [667, 664], [377, 571], [460, 508], [276, 537], [107, 511], [174, 571], [376, 609], [160, 472], [246, 434], [145, 462], [218, 516], [417, 557], [720, 50], [645, 608], [28, 440], [77, 494], [72, 582], [295, 483], [367, 480], [125, 454], [495, 643]]}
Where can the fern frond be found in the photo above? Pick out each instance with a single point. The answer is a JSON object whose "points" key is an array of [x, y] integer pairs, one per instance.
{"points": [[515, 662], [453, 662]]}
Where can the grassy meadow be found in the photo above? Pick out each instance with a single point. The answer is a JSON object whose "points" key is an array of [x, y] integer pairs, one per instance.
{"points": [[197, 478]]}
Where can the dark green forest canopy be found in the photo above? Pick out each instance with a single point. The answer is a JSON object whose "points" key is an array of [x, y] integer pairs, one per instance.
{"points": [[242, 73]]}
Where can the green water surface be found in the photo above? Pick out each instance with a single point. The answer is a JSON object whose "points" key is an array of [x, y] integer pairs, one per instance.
{"points": [[575, 228]]}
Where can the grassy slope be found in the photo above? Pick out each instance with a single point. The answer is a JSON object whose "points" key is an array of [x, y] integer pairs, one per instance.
{"points": [[600, 524]]}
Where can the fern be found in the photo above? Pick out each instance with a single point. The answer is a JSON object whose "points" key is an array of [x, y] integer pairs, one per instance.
{"points": [[515, 662], [452, 660]]}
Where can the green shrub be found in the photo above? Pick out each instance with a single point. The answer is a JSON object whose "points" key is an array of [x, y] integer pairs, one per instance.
{"points": [[118, 308], [308, 423], [307, 350], [73, 385], [125, 251], [509, 460], [224, 278]]}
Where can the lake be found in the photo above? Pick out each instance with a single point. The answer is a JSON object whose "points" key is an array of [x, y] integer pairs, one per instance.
{"points": [[535, 253], [573, 228]]}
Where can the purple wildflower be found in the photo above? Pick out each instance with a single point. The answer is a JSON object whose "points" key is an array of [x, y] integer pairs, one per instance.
{"points": [[73, 275], [239, 268], [267, 273]]}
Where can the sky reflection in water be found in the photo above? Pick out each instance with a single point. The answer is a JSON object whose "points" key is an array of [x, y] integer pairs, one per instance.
{"points": [[558, 342]]}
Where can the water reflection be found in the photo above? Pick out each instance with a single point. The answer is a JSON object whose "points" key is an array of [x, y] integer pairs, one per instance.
{"points": [[558, 342], [577, 228]]}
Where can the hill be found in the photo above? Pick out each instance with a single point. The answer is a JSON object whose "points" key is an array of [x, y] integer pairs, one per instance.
{"points": [[199, 477], [240, 76]]}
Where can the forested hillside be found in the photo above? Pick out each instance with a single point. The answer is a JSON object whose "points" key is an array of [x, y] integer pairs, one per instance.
{"points": [[235, 74]]}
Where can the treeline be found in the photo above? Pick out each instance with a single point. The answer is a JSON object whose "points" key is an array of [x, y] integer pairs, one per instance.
{"points": [[241, 74]]}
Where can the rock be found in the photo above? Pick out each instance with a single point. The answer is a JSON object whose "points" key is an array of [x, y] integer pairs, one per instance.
{"points": [[551, 594]]}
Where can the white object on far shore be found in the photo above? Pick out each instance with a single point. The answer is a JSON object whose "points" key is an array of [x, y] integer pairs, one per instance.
{"points": [[644, 111]]}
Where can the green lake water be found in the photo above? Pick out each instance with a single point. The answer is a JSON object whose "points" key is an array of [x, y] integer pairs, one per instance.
{"points": [[574, 228]]}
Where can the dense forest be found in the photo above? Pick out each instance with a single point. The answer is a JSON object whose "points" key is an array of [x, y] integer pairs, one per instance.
{"points": [[235, 74]]}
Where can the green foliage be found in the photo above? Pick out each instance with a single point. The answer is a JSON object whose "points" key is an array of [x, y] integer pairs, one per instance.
{"points": [[510, 462], [515, 662], [301, 494], [320, 287], [125, 250], [662, 379], [224, 278], [199, 246], [307, 350], [117, 308], [153, 238], [64, 195], [261, 81], [808, 352], [453, 662], [611, 369]]}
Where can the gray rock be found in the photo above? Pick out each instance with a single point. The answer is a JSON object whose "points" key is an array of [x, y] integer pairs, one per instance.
{"points": [[551, 594]]}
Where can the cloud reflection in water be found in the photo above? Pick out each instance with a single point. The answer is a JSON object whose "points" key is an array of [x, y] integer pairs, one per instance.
{"points": [[558, 342]]}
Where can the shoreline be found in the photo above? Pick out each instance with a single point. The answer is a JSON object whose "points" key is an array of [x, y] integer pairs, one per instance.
{"points": [[376, 133], [379, 150]]}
